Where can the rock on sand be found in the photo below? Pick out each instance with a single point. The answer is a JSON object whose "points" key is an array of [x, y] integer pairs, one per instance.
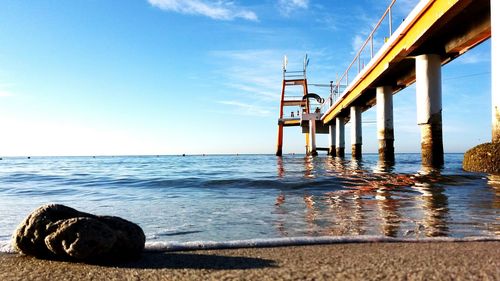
{"points": [[58, 231]]}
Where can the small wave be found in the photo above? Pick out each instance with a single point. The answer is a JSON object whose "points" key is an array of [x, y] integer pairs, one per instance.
{"points": [[177, 233], [6, 247], [294, 184], [298, 241]]}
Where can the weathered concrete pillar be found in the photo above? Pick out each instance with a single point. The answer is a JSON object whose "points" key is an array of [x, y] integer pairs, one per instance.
{"points": [[385, 124], [356, 134], [331, 149], [428, 74], [312, 134], [495, 70], [340, 138]]}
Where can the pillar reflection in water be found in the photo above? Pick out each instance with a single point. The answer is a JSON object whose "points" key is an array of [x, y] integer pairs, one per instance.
{"points": [[361, 201], [494, 182], [334, 165], [347, 214], [434, 203], [279, 167], [294, 204], [280, 200], [384, 167], [388, 210], [334, 196], [280, 223], [309, 167], [358, 217], [355, 165], [339, 212], [390, 218], [311, 214], [347, 206]]}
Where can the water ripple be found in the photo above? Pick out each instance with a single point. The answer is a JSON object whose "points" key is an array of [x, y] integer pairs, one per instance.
{"points": [[258, 196]]}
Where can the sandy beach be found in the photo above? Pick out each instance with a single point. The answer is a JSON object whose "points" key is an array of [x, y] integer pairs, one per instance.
{"points": [[367, 261]]}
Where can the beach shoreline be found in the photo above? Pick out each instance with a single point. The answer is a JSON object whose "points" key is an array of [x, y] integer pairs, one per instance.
{"points": [[347, 261]]}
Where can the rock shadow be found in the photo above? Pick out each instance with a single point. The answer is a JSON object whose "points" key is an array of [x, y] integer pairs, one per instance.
{"points": [[185, 260]]}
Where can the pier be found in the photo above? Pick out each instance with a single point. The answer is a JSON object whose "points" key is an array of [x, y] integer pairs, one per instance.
{"points": [[432, 35]]}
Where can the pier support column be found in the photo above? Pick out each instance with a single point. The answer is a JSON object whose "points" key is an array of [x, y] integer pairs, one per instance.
{"points": [[356, 133], [340, 137], [428, 74], [385, 124], [312, 134], [495, 71], [331, 149]]}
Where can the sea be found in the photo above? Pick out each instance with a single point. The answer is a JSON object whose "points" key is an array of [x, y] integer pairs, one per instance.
{"points": [[237, 197]]}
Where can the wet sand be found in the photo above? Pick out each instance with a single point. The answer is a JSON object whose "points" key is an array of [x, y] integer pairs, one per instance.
{"points": [[366, 261]]}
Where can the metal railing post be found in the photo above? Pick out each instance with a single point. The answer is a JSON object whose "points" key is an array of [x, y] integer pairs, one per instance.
{"points": [[371, 46], [361, 65], [390, 21]]}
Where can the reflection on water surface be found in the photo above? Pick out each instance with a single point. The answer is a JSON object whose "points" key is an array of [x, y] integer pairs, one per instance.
{"points": [[377, 200]]}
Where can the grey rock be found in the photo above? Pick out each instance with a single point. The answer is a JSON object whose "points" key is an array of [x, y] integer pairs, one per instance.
{"points": [[80, 238], [29, 237], [130, 238], [57, 231]]}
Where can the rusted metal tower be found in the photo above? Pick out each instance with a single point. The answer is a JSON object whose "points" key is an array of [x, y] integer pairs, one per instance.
{"points": [[292, 78], [303, 117]]}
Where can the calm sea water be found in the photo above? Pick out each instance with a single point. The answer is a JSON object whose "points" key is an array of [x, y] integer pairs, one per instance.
{"points": [[220, 198]]}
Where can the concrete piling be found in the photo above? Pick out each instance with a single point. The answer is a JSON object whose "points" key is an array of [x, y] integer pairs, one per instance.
{"points": [[340, 137], [429, 107], [356, 133], [385, 124], [331, 149]]}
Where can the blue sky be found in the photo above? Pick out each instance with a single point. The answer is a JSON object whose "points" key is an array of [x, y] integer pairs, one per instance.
{"points": [[103, 77]]}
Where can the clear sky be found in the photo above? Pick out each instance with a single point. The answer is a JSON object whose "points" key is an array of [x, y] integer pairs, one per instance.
{"points": [[109, 77]]}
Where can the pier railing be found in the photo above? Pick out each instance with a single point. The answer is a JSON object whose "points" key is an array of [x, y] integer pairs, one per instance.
{"points": [[358, 63], [295, 74]]}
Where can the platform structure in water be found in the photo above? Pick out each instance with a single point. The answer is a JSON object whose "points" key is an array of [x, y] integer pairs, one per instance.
{"points": [[432, 35], [300, 110]]}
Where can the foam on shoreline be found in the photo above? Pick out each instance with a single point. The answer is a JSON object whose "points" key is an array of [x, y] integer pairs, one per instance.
{"points": [[299, 241], [6, 247]]}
